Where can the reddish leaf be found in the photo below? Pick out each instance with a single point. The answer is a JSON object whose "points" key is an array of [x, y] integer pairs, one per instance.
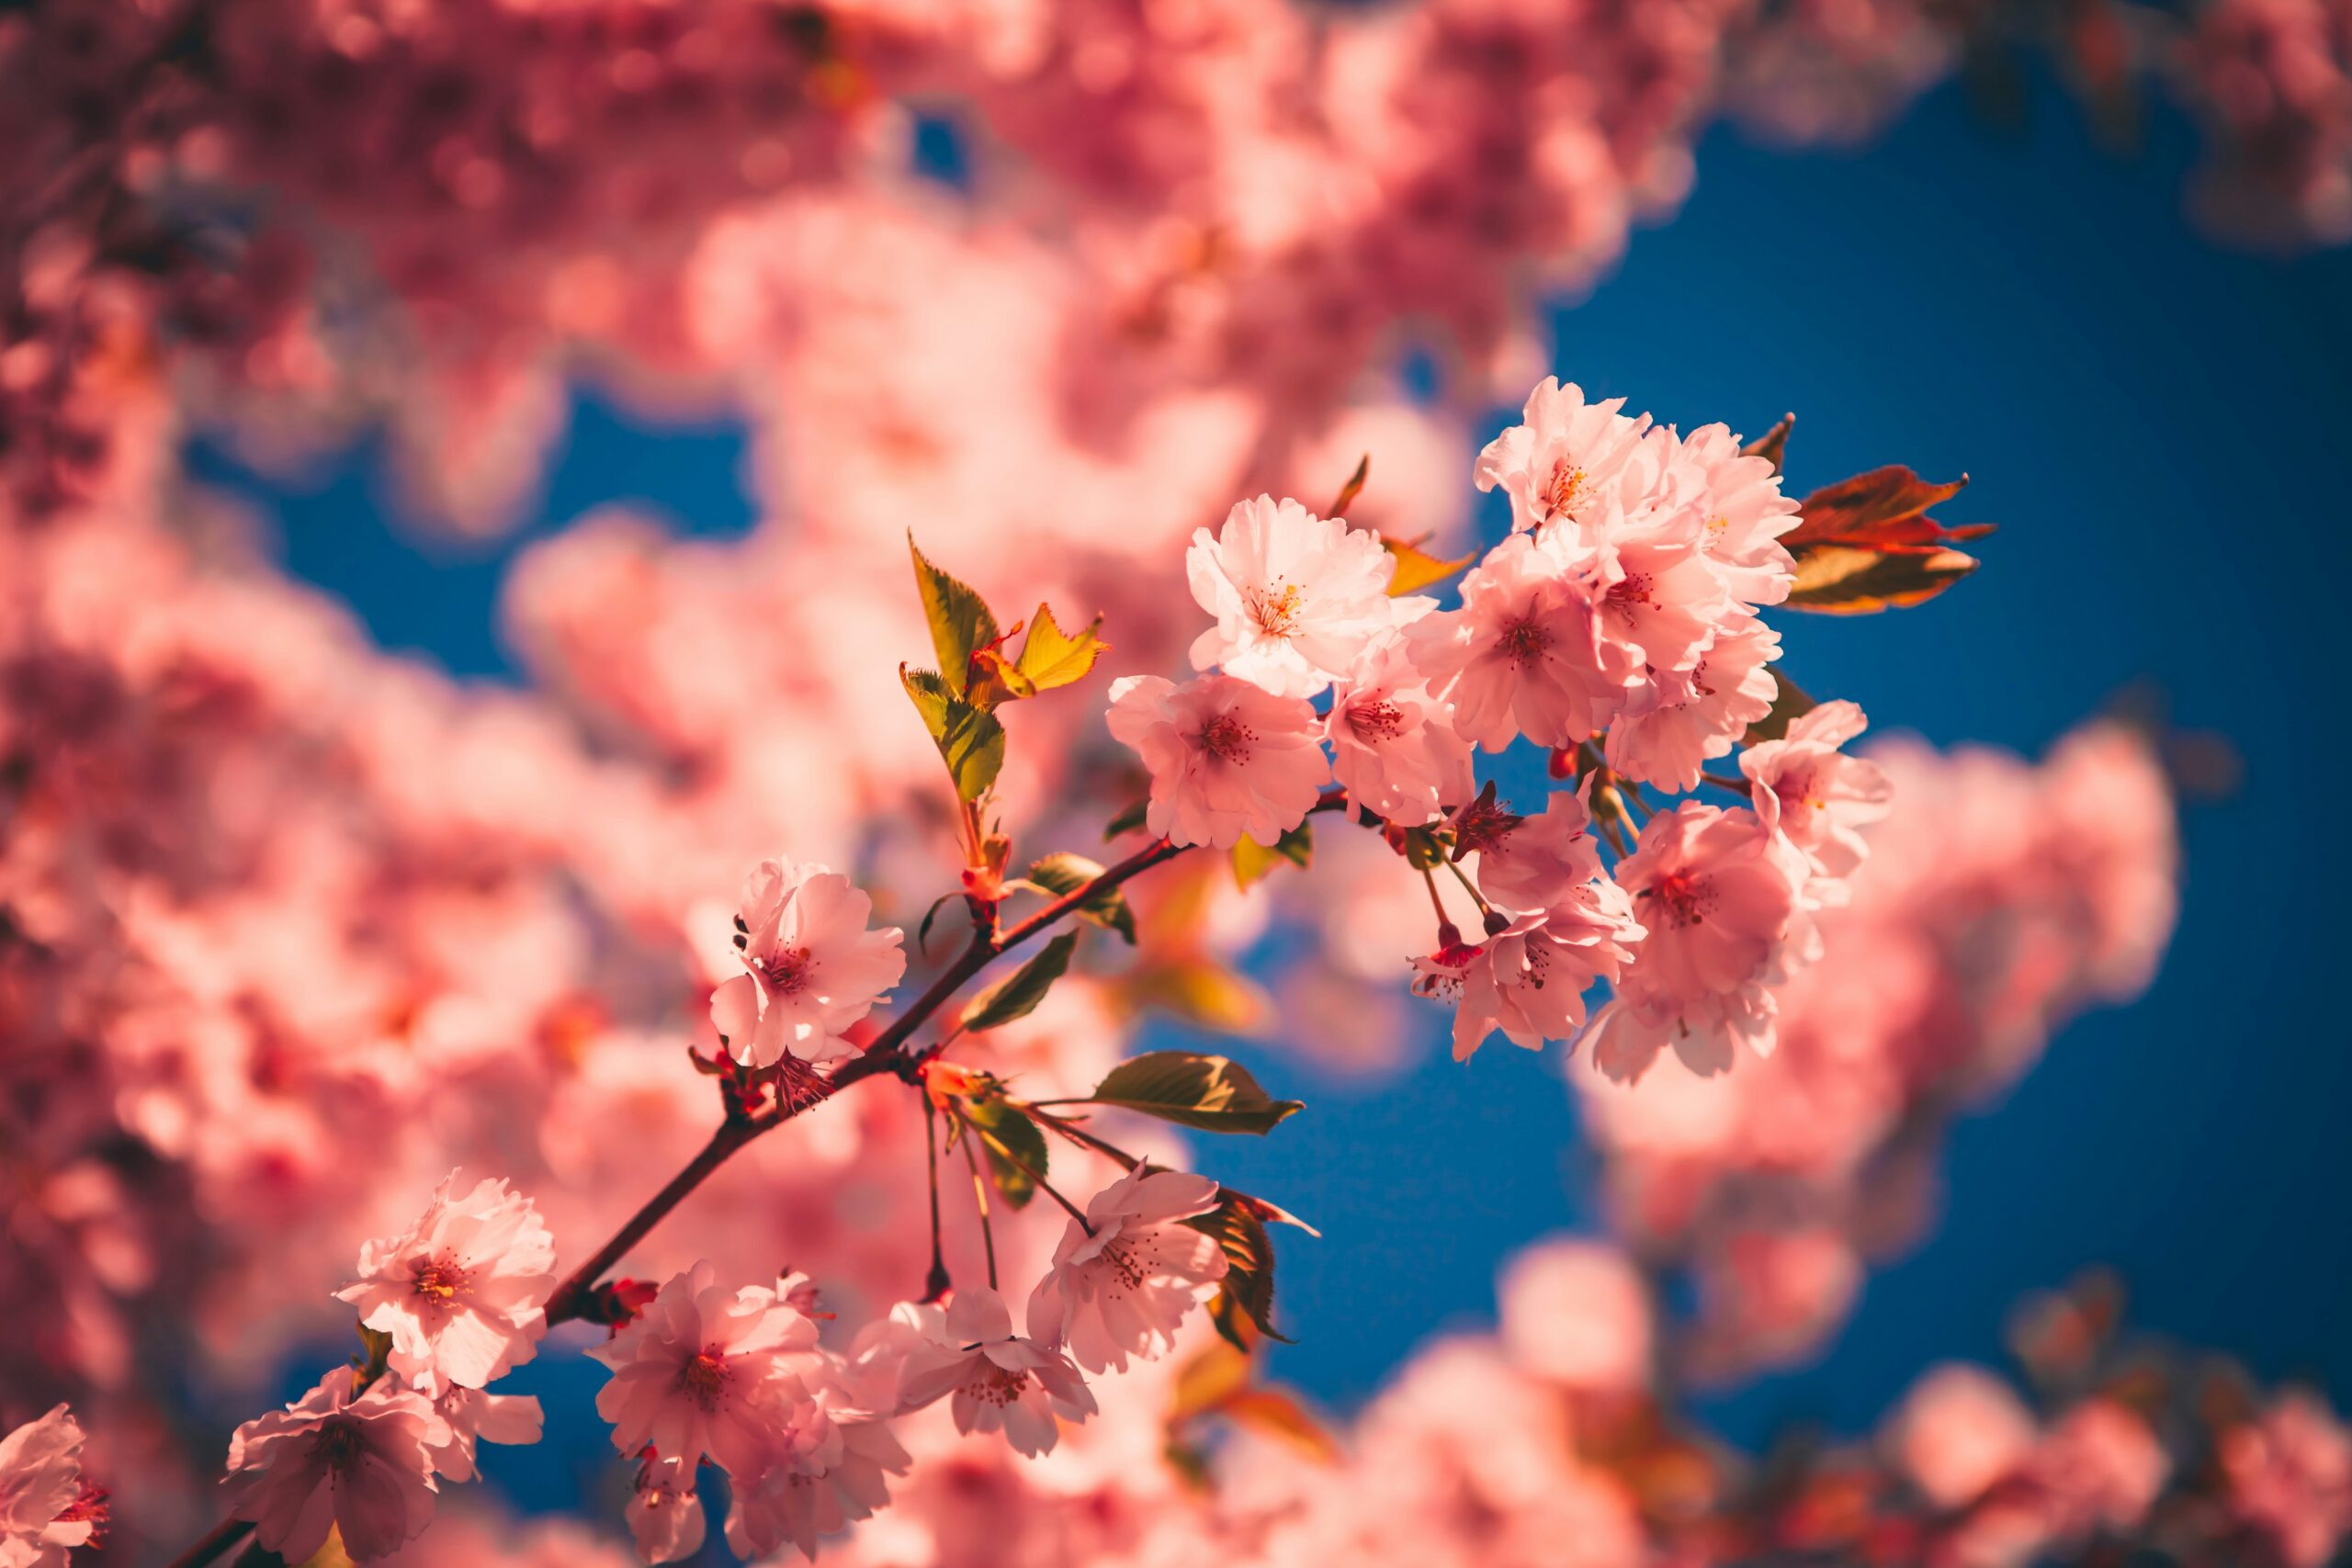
{"points": [[1773, 443], [1867, 544]]}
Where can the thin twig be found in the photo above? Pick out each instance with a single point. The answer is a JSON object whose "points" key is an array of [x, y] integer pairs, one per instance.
{"points": [[981, 1197]]}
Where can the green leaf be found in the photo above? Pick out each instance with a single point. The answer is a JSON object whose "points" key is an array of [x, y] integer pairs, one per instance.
{"points": [[922, 931], [1051, 657], [960, 623], [1066, 873], [970, 741], [1790, 706], [1252, 860], [1010, 1141], [1017, 995], [1215, 1094], [1128, 821], [1417, 570]]}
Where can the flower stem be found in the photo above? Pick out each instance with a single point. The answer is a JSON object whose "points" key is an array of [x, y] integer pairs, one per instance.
{"points": [[936, 1283], [981, 1197]]}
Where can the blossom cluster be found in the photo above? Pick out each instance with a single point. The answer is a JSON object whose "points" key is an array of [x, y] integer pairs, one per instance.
{"points": [[1619, 627]]}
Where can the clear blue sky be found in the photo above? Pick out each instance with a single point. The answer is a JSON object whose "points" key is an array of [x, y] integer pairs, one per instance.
{"points": [[2160, 426]]}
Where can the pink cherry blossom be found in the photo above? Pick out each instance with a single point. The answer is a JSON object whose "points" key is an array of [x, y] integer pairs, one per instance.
{"points": [[1814, 796], [1718, 896], [1125, 1287], [1659, 603], [2099, 1469], [361, 1465], [1565, 459], [473, 1417], [666, 1516], [41, 1491], [462, 1291], [1524, 654], [797, 1501], [1296, 596], [1393, 746], [813, 968], [1538, 860], [691, 1372], [2289, 1478], [1694, 715], [1227, 760], [1741, 510], [1958, 1432], [993, 1379], [1529, 979], [1576, 1314]]}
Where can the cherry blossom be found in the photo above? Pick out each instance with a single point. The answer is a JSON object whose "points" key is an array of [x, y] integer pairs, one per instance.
{"points": [[1694, 715], [1960, 1431], [1296, 596], [1741, 511], [1529, 979], [813, 967], [993, 1379], [692, 1374], [1123, 1282], [2289, 1478], [462, 1291], [665, 1517], [1814, 796], [1576, 1312], [1393, 746], [475, 1417], [1227, 760], [46, 1510], [1535, 862], [1524, 654], [797, 1502], [1567, 460], [362, 1465], [1718, 897], [1659, 602]]}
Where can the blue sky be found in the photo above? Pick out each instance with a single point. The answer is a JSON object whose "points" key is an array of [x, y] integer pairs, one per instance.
{"points": [[2159, 426]]}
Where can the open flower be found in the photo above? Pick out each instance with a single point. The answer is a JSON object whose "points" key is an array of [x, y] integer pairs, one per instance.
{"points": [[1655, 596], [1524, 654], [463, 1292], [361, 1465], [810, 1492], [1565, 459], [664, 1514], [1532, 863], [1816, 796], [43, 1511], [1741, 511], [690, 1373], [1227, 760], [813, 968], [1529, 979], [1719, 897], [995, 1381], [1296, 596], [1694, 715], [1393, 746], [1124, 1289]]}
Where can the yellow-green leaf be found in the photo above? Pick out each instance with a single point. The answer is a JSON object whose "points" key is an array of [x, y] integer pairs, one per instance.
{"points": [[1051, 657], [960, 622], [1252, 860], [1010, 1141], [1417, 568], [970, 742]]}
